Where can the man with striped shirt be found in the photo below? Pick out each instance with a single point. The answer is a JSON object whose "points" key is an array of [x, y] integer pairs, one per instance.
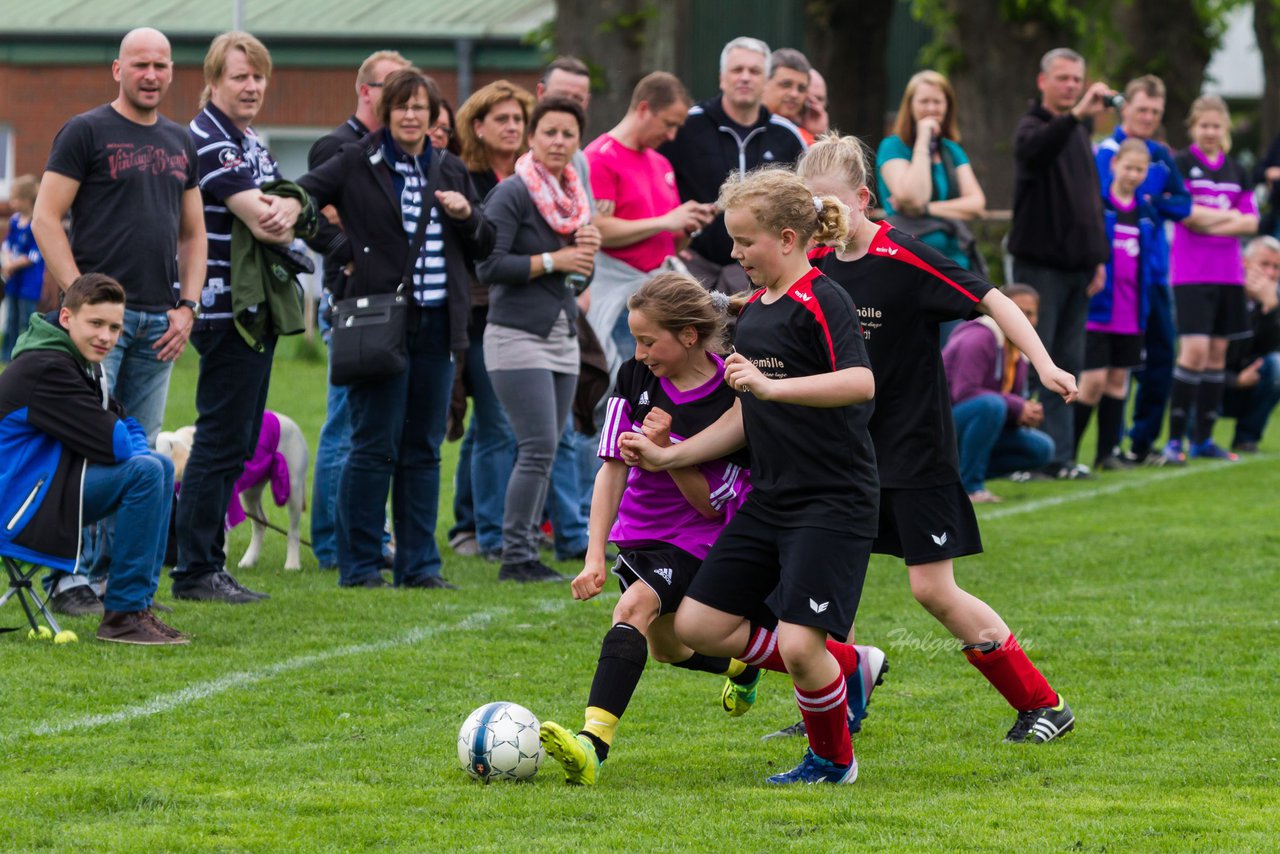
{"points": [[231, 391]]}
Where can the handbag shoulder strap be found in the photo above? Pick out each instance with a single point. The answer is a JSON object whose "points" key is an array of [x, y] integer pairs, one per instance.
{"points": [[420, 236]]}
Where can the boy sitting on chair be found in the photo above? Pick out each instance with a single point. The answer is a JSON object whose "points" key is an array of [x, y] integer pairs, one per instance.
{"points": [[69, 456]]}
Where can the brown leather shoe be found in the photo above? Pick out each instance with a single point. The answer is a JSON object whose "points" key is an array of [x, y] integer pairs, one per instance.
{"points": [[135, 627], [165, 629]]}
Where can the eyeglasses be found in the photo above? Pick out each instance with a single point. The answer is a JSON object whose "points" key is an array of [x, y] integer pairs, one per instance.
{"points": [[374, 85], [441, 129]]}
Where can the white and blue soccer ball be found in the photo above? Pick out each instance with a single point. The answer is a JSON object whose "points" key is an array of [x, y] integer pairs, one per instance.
{"points": [[499, 741]]}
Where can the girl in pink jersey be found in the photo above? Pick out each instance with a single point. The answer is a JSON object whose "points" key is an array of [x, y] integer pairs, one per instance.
{"points": [[663, 523], [1207, 274]]}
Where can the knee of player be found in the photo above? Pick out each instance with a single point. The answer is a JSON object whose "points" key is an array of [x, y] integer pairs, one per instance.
{"points": [[635, 609], [931, 589], [802, 648]]}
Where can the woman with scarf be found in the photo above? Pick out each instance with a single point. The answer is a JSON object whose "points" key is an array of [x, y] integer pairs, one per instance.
{"points": [[543, 255], [383, 187]]}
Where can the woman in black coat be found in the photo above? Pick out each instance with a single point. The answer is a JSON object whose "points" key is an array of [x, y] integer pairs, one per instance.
{"points": [[381, 187]]}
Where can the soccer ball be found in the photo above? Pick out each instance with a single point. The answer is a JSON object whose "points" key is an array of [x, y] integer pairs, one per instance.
{"points": [[499, 741]]}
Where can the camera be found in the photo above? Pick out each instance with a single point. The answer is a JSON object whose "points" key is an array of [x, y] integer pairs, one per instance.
{"points": [[1116, 102]]}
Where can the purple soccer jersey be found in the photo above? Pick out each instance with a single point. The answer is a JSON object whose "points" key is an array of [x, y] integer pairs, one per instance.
{"points": [[1206, 259], [653, 509]]}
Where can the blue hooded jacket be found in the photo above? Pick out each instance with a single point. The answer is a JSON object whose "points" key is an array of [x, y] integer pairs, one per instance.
{"points": [[55, 419]]}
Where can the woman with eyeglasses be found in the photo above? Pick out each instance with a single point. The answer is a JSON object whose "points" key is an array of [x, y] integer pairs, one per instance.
{"points": [[442, 131], [382, 186]]}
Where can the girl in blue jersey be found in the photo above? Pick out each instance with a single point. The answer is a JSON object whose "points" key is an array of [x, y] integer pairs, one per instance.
{"points": [[788, 569]]}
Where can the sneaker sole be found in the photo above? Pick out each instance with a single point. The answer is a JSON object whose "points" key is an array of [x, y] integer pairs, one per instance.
{"points": [[162, 642], [563, 746]]}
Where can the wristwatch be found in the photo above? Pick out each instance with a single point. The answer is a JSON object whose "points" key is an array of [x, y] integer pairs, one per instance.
{"points": [[548, 263], [191, 304]]}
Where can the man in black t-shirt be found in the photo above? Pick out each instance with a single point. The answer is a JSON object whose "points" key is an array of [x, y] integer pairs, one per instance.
{"points": [[127, 175]]}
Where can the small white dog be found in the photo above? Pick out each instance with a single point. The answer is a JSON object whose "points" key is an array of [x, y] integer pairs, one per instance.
{"points": [[292, 446]]}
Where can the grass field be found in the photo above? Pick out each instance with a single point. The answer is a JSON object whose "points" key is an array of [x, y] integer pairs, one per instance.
{"points": [[325, 719]]}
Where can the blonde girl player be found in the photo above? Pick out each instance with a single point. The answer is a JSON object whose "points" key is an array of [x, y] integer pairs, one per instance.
{"points": [[903, 290], [663, 523], [1207, 274], [787, 570]]}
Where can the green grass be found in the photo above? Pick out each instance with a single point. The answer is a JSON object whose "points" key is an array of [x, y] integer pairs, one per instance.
{"points": [[326, 719]]}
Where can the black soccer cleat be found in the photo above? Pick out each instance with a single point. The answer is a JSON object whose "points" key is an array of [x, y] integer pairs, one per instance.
{"points": [[1040, 725]]}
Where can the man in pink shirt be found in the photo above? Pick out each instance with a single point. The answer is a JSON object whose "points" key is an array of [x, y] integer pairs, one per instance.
{"points": [[641, 220]]}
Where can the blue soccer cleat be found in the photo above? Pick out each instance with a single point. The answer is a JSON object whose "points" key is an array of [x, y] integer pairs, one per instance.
{"points": [[872, 666], [814, 769]]}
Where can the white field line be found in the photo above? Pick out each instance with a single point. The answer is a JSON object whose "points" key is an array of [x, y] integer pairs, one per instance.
{"points": [[1112, 488], [203, 690]]}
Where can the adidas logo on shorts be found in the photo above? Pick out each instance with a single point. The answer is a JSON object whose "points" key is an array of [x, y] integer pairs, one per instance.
{"points": [[664, 573]]}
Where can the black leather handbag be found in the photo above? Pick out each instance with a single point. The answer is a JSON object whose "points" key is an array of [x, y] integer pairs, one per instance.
{"points": [[368, 338]]}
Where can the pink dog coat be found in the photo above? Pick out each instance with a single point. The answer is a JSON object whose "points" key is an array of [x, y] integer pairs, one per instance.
{"points": [[266, 462]]}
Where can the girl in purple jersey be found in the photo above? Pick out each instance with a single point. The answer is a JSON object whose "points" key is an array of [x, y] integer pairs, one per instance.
{"points": [[1207, 274], [903, 290], [663, 523], [788, 569]]}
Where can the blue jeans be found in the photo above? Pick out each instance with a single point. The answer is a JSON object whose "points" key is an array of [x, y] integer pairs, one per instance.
{"points": [[139, 494], [990, 448], [1252, 407], [397, 427], [231, 395], [140, 382], [1155, 380], [565, 498], [485, 460], [331, 457], [20, 311], [1064, 311]]}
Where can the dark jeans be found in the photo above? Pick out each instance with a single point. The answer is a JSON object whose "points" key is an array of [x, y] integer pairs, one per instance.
{"points": [[231, 395], [1155, 380], [139, 494], [989, 447], [1252, 407], [397, 427], [1064, 308]]}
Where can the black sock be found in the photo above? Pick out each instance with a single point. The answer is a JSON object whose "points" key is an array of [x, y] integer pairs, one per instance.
{"points": [[1081, 413], [746, 677], [602, 749], [1208, 402], [1110, 418], [623, 653], [704, 663], [1186, 385]]}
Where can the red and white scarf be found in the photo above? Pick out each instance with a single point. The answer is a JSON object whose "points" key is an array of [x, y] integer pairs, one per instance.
{"points": [[562, 203]]}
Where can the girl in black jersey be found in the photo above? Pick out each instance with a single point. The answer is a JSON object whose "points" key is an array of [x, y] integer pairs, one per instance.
{"points": [[903, 290], [663, 523], [788, 569]]}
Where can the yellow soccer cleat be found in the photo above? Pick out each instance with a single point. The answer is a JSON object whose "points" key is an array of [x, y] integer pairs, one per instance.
{"points": [[575, 753], [737, 699]]}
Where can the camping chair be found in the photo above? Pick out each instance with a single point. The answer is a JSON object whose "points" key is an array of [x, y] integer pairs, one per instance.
{"points": [[21, 588]]}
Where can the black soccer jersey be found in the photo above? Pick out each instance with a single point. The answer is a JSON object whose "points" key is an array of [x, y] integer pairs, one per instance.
{"points": [[903, 289], [810, 466]]}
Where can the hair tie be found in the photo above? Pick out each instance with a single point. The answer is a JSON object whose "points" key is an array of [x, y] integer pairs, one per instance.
{"points": [[817, 204], [720, 301]]}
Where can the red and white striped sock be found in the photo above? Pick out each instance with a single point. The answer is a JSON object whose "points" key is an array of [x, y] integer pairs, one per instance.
{"points": [[825, 714], [762, 650]]}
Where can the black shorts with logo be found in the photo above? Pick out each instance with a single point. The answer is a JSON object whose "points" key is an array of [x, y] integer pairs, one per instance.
{"points": [[662, 567], [806, 576], [1112, 350], [927, 525], [1219, 311]]}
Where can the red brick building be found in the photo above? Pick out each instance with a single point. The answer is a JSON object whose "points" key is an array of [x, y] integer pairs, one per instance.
{"points": [[55, 59]]}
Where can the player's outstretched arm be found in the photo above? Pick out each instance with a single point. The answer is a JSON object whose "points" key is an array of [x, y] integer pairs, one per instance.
{"points": [[722, 438], [690, 481], [838, 388], [611, 481], [1019, 330]]}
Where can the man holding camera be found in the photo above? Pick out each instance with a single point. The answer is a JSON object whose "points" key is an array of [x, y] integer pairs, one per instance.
{"points": [[1058, 240]]}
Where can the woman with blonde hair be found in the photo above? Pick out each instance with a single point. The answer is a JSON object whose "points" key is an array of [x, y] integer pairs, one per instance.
{"points": [[491, 132], [924, 174]]}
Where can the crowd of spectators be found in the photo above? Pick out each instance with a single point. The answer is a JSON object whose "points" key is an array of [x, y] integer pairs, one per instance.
{"points": [[520, 241]]}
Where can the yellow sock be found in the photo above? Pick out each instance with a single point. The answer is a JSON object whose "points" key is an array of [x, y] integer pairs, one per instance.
{"points": [[601, 724], [735, 667]]}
